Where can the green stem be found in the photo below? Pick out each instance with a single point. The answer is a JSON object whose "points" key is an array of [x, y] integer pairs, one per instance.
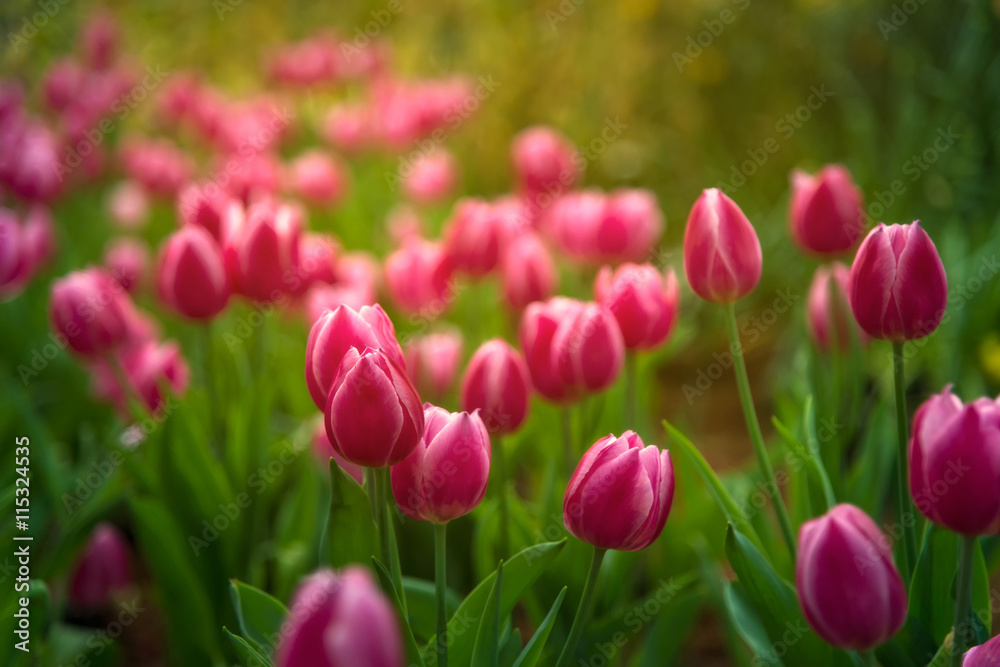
{"points": [[381, 479], [567, 437], [501, 464], [756, 437], [963, 602], [370, 484], [904, 507], [441, 586], [868, 659], [585, 609], [630, 384]]}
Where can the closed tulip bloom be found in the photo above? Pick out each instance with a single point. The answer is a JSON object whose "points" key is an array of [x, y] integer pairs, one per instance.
{"points": [[158, 165], [497, 384], [325, 451], [445, 477], [432, 362], [824, 316], [825, 211], [373, 413], [39, 235], [987, 655], [15, 259], [631, 225], [898, 289], [543, 160], [722, 258], [418, 277], [431, 178], [191, 274], [536, 333], [955, 463], [317, 260], [849, 588], [127, 260], [572, 222], [340, 619], [472, 237], [318, 178], [620, 494], [588, 349], [205, 205], [338, 331], [103, 568], [262, 255], [99, 40], [85, 307], [527, 271], [148, 367], [643, 301]]}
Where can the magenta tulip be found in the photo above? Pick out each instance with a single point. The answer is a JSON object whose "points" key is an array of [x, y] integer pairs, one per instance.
{"points": [[263, 253], [537, 330], [191, 274], [498, 385], [39, 235], [987, 655], [318, 178], [527, 271], [432, 362], [722, 258], [148, 367], [643, 301], [849, 588], [127, 260], [432, 177], [473, 238], [15, 258], [85, 307], [620, 494], [544, 160], [825, 211], [588, 350], [825, 316], [317, 261], [102, 569], [419, 278], [207, 205]]}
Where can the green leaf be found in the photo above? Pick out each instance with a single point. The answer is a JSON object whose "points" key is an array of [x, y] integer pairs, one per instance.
{"points": [[412, 649], [247, 653], [421, 605], [350, 530], [511, 646], [533, 651], [487, 648], [813, 464], [746, 621], [260, 615]]}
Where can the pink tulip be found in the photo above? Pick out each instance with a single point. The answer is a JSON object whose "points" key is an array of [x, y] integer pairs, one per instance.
{"points": [[191, 274], [986, 655], [340, 619], [722, 256], [127, 260], [431, 178], [432, 362], [317, 260], [527, 271], [318, 178], [15, 257], [39, 235], [825, 211], [631, 226], [62, 83], [572, 221], [643, 301], [539, 323], [102, 569], [346, 127], [148, 368], [33, 168], [898, 289], [545, 161], [848, 586], [128, 205], [86, 308], [472, 237], [262, 254], [206, 205], [322, 298], [498, 385], [325, 451], [446, 475], [306, 63], [373, 415], [419, 278], [158, 165], [820, 312], [588, 350], [404, 224], [99, 41], [955, 463], [620, 494], [341, 330], [252, 177]]}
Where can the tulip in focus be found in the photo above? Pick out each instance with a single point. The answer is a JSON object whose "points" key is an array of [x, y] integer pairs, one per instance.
{"points": [[191, 274], [432, 362], [102, 569], [722, 258], [620, 494], [643, 301], [527, 271], [897, 288], [848, 585], [497, 384], [127, 260], [419, 277], [588, 350], [86, 307], [325, 451], [821, 312], [318, 178], [825, 212], [431, 178]]}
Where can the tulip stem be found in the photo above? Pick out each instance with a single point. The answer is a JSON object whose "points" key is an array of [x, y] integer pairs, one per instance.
{"points": [[756, 437], [441, 586], [868, 659], [963, 602], [501, 461], [585, 609], [905, 507], [381, 479], [630, 383]]}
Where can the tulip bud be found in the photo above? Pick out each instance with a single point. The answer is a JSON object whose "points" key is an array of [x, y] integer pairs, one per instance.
{"points": [[620, 494], [573, 221], [318, 178], [419, 278], [99, 41], [432, 362], [346, 127], [544, 160], [128, 205], [821, 312], [527, 271], [340, 619], [15, 260], [206, 205], [643, 301], [102, 569], [325, 451], [373, 413], [497, 384], [588, 350], [955, 463], [147, 367], [39, 235], [472, 237], [317, 260], [987, 655], [62, 83], [431, 178], [191, 274], [261, 256], [722, 257], [898, 289], [631, 224], [538, 328], [85, 307], [338, 331], [849, 588], [445, 477], [825, 211], [127, 260]]}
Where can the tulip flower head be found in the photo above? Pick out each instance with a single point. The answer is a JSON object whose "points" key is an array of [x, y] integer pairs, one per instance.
{"points": [[536, 333], [432, 362], [86, 307], [262, 254], [825, 212], [527, 271], [986, 655], [102, 569], [498, 385], [643, 301], [828, 316], [722, 258], [588, 350], [191, 274], [419, 277]]}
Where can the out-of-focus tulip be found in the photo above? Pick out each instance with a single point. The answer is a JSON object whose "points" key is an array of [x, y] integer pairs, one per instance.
{"points": [[191, 274], [497, 384], [849, 587], [825, 211], [539, 323], [588, 350], [127, 260], [631, 225], [256, 176], [955, 463], [419, 277], [128, 205], [821, 311], [99, 41], [340, 619], [432, 362], [63, 80], [322, 298], [404, 224], [544, 160], [206, 205], [85, 307], [39, 235], [527, 271], [262, 254], [158, 165], [341, 330], [33, 170], [318, 178], [146, 367], [722, 258], [306, 63], [431, 178], [620, 494], [373, 414], [643, 301], [346, 127], [446, 475], [103, 568], [15, 258], [986, 655], [897, 288], [472, 237], [317, 259], [325, 451]]}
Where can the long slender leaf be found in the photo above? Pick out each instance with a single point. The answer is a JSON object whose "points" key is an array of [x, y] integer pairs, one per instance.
{"points": [[533, 650]]}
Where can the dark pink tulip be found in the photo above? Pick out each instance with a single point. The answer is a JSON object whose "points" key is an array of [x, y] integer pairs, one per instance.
{"points": [[62, 84], [33, 169], [346, 127], [373, 414], [898, 289], [318, 178], [955, 463], [987, 655], [127, 260], [256, 176], [419, 277], [432, 362], [544, 160], [158, 165], [472, 237], [206, 205], [338, 331], [262, 253], [631, 225], [820, 312], [588, 350], [99, 41], [572, 222], [317, 259], [128, 205], [825, 211], [325, 451], [86, 308], [15, 258], [103, 568], [340, 619], [849, 587], [431, 178], [191, 274], [527, 271], [39, 235], [446, 475], [643, 301], [620, 494], [722, 256], [539, 323], [148, 368], [498, 385]]}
